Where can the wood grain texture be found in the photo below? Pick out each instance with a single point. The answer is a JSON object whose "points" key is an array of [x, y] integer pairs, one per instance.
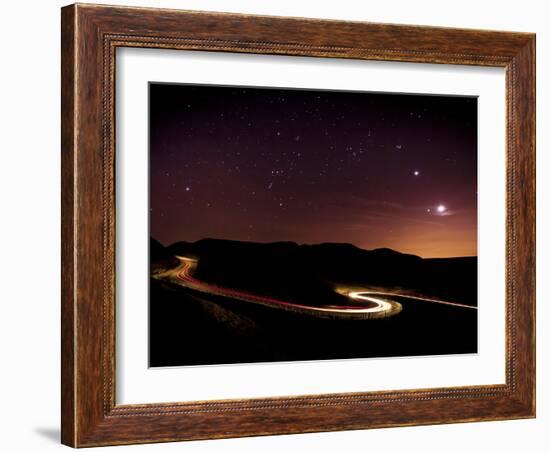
{"points": [[68, 244], [90, 36]]}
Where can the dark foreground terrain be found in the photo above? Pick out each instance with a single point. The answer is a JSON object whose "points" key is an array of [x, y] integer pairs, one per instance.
{"points": [[190, 327]]}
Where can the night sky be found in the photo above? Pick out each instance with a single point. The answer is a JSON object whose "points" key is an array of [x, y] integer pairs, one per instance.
{"points": [[264, 165]]}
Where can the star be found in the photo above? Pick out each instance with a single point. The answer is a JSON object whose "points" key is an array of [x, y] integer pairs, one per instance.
{"points": [[416, 173], [441, 208]]}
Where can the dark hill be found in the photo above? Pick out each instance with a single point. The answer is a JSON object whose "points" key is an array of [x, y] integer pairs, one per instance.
{"points": [[223, 330], [288, 269], [159, 256]]}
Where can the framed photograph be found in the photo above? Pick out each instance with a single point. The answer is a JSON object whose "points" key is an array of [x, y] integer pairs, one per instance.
{"points": [[281, 225]]}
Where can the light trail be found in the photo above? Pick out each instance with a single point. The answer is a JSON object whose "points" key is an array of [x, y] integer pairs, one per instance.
{"points": [[379, 305], [380, 308], [412, 297]]}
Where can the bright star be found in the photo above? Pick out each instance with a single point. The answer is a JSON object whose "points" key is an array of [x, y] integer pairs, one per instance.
{"points": [[441, 208], [416, 173]]}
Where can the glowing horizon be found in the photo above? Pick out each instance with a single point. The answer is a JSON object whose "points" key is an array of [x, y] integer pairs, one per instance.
{"points": [[267, 165]]}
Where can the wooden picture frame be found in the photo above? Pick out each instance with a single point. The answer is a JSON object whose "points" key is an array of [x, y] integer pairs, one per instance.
{"points": [[90, 36]]}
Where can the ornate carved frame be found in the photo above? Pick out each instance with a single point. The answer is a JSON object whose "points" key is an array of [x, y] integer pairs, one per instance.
{"points": [[90, 36]]}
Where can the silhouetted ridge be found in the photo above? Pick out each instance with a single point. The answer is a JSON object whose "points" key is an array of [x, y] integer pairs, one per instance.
{"points": [[160, 257], [157, 250], [222, 329], [310, 269], [392, 253]]}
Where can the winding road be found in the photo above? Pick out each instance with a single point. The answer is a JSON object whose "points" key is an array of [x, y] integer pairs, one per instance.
{"points": [[375, 304], [372, 307]]}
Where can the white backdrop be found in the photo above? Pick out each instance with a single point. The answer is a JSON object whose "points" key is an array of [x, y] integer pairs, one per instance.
{"points": [[138, 384], [29, 188]]}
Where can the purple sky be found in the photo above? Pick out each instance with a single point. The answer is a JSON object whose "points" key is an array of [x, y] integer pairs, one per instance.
{"points": [[262, 164]]}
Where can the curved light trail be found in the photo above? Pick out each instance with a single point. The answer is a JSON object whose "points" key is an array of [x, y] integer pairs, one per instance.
{"points": [[376, 308], [377, 304], [380, 304]]}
